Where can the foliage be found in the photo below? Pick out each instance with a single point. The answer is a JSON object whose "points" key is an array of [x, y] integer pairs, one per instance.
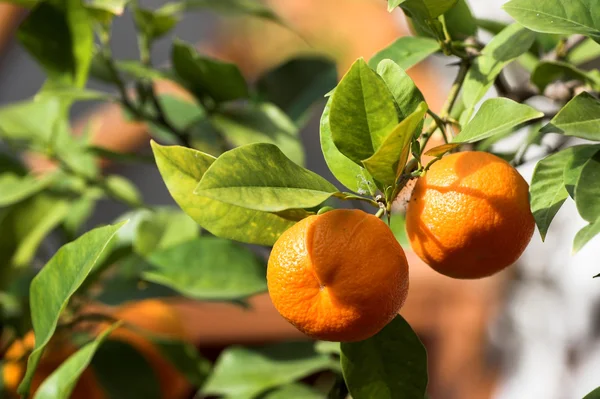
{"points": [[232, 159]]}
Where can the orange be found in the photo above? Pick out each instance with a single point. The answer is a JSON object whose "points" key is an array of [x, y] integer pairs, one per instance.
{"points": [[57, 351], [339, 276], [469, 216]]}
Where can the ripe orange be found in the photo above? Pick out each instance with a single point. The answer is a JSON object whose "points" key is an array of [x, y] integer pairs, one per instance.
{"points": [[469, 216], [339, 276]]}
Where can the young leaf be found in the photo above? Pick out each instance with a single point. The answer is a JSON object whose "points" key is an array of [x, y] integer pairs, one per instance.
{"points": [[208, 268], [406, 51], [547, 72], [260, 177], [391, 364], [182, 168], [350, 174], [61, 39], [260, 123], [406, 94], [62, 381], [510, 43], [584, 236], [556, 16], [245, 373], [296, 84], [52, 288], [15, 188], [580, 117], [495, 116], [547, 190], [460, 22], [580, 155], [387, 163], [587, 191], [222, 81], [362, 112]]}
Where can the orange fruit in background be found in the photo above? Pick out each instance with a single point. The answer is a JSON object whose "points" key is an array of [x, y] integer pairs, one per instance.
{"points": [[469, 216], [338, 276], [156, 317]]}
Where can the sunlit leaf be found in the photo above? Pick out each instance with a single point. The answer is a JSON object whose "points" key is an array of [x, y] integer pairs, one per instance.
{"points": [[406, 51], [580, 155], [582, 237], [580, 117], [406, 94], [587, 191]]}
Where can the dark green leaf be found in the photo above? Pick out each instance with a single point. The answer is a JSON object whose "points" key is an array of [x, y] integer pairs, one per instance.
{"points": [[491, 26], [260, 123], [387, 164], [182, 168], [260, 177], [460, 21], [350, 174], [595, 394], [557, 16], [403, 89], [124, 373], [510, 43], [362, 113], [587, 191], [584, 236], [185, 358], [154, 24], [550, 71], [208, 268], [245, 373], [52, 288], [392, 364], [61, 40], [547, 190], [14, 188], [426, 9], [136, 70], [587, 51], [580, 117], [60, 384], [495, 116], [580, 155], [222, 81], [295, 85], [294, 391], [406, 51], [124, 157]]}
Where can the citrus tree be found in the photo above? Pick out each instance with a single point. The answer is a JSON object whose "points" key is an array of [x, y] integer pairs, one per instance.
{"points": [[233, 162]]}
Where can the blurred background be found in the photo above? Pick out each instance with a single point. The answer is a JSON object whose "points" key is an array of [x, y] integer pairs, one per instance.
{"points": [[529, 332]]}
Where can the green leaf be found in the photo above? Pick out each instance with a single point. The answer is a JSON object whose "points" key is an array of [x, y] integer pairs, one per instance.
{"points": [[587, 51], [350, 174], [580, 117], [124, 189], [427, 9], [584, 236], [595, 394], [387, 164], [260, 123], [29, 120], [406, 51], [251, 8], [391, 364], [460, 21], [182, 168], [161, 229], [60, 39], [60, 384], [245, 373], [296, 84], [496, 116], [124, 373], [547, 190], [550, 71], [52, 288], [184, 356], [327, 347], [580, 155], [154, 24], [441, 150], [208, 268], [260, 177], [115, 7], [14, 188], [222, 81], [398, 227], [362, 113], [73, 94], [79, 212], [556, 16], [294, 391], [510, 43], [587, 191], [403, 89]]}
